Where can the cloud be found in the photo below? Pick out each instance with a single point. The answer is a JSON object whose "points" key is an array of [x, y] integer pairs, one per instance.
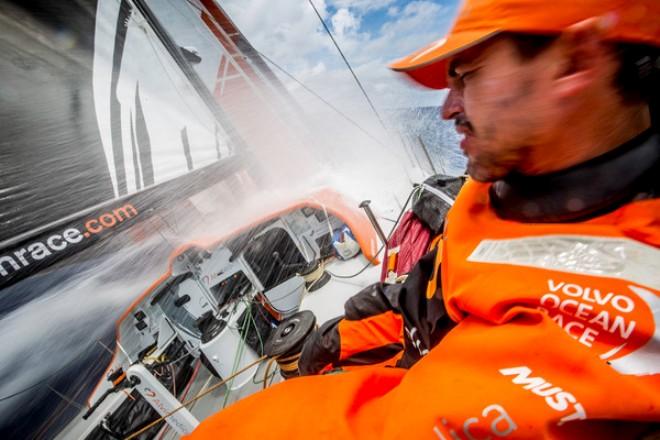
{"points": [[288, 32], [312, 71], [291, 35], [362, 5], [344, 22]]}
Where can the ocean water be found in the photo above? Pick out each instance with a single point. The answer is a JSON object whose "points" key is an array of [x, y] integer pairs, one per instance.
{"points": [[422, 127]]}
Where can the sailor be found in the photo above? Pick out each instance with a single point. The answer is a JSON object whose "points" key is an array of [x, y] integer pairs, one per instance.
{"points": [[549, 262]]}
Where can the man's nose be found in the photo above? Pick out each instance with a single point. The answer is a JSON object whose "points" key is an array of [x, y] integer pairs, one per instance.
{"points": [[453, 105]]}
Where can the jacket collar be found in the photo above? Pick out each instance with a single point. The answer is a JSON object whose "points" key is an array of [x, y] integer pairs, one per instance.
{"points": [[600, 185]]}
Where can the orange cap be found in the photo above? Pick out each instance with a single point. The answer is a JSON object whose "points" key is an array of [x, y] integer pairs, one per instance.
{"points": [[478, 20]]}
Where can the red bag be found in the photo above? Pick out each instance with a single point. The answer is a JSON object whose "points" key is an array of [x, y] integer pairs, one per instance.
{"points": [[409, 242]]}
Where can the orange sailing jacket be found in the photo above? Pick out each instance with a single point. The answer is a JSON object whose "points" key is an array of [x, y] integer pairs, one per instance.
{"points": [[555, 337]]}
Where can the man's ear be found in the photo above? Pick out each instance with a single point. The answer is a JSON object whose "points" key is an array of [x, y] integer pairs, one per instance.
{"points": [[584, 56]]}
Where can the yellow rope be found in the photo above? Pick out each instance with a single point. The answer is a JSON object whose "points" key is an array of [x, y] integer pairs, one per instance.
{"points": [[289, 364]]}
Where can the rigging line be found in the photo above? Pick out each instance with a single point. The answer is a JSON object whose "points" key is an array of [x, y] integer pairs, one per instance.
{"points": [[66, 399], [149, 33], [281, 69], [54, 417], [320, 98], [259, 91], [105, 347], [364, 92]]}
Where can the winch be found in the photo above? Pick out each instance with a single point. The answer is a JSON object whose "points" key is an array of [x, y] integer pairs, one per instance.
{"points": [[286, 342]]}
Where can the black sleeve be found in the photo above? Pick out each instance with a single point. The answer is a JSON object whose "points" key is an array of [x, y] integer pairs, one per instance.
{"points": [[425, 320], [321, 348], [372, 300]]}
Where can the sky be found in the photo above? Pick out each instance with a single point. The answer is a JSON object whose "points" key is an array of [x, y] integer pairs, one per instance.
{"points": [[371, 33]]}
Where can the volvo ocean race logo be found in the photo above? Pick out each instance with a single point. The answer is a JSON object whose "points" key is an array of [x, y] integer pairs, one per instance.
{"points": [[49, 246]]}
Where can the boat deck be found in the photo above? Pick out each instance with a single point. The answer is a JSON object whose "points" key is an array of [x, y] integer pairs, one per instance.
{"points": [[326, 303]]}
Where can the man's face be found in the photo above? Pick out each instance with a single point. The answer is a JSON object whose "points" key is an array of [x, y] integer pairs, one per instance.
{"points": [[497, 101]]}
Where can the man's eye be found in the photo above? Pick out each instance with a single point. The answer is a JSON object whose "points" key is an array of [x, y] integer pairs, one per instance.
{"points": [[466, 75]]}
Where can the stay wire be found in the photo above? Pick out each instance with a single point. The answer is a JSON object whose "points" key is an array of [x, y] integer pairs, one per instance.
{"points": [[414, 191], [67, 399], [320, 98], [364, 92], [312, 92]]}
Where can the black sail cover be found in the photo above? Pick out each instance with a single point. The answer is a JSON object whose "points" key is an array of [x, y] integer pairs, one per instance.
{"points": [[104, 124]]}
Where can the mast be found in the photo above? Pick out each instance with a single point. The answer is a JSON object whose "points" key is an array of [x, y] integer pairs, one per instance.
{"points": [[246, 55]]}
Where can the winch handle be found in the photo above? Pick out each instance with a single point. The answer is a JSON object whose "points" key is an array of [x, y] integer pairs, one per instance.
{"points": [[372, 218]]}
